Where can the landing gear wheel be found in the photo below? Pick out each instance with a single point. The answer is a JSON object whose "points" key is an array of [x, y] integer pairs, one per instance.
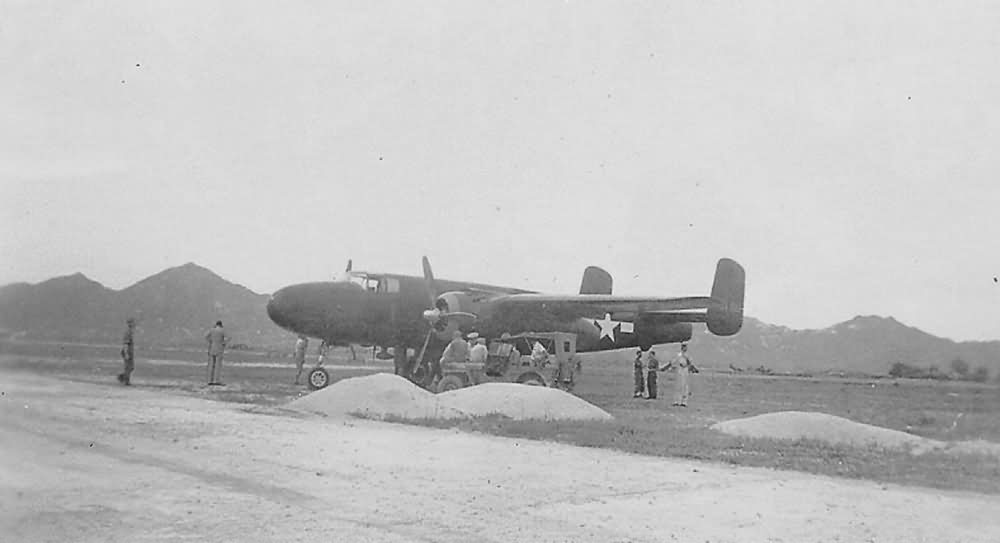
{"points": [[318, 378], [450, 382]]}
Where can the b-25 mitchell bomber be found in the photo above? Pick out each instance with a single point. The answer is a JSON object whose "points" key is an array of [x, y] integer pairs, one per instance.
{"points": [[422, 313]]}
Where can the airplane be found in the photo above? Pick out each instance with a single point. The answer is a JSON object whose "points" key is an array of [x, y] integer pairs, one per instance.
{"points": [[404, 311]]}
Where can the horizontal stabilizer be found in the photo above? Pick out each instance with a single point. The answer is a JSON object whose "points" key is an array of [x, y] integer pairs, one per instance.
{"points": [[595, 281], [725, 316]]}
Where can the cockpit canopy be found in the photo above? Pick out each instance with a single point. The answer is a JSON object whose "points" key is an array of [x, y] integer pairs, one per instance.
{"points": [[374, 283]]}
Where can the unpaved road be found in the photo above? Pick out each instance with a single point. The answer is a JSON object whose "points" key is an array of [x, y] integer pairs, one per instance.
{"points": [[85, 462]]}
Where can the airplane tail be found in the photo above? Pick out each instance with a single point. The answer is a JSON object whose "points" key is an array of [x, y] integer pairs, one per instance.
{"points": [[595, 281], [725, 316]]}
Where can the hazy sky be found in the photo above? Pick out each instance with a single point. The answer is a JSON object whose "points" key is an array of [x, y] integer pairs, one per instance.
{"points": [[845, 153]]}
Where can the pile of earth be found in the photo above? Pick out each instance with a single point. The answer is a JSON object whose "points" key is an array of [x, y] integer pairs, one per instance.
{"points": [[385, 395], [520, 402], [795, 425], [375, 396]]}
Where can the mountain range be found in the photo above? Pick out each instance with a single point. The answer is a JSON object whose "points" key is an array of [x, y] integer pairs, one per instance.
{"points": [[172, 308], [865, 344], [176, 306]]}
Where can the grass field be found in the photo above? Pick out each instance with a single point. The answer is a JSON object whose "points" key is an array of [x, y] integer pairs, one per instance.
{"points": [[939, 410]]}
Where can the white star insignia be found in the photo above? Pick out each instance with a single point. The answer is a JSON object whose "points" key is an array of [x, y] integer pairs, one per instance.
{"points": [[607, 327]]}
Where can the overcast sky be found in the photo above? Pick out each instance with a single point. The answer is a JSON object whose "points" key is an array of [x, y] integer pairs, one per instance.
{"points": [[846, 154]]}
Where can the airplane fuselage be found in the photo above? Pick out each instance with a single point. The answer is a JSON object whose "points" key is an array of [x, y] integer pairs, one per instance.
{"points": [[387, 310]]}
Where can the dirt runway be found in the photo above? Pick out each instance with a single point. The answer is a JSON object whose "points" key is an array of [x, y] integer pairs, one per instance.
{"points": [[84, 462]]}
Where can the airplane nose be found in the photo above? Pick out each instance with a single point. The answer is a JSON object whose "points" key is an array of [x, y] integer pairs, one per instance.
{"points": [[279, 308], [314, 309]]}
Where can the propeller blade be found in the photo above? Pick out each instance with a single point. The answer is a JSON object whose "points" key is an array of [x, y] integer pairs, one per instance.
{"points": [[345, 275], [435, 316], [460, 315], [423, 350], [429, 281]]}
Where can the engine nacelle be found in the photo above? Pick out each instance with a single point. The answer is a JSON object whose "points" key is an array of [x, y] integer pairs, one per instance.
{"points": [[452, 311], [455, 302]]}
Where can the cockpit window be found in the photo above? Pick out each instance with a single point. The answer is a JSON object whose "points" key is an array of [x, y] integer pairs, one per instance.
{"points": [[386, 285], [368, 283]]}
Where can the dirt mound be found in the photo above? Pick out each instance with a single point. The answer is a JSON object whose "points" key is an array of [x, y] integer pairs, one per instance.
{"points": [[978, 446], [377, 396], [820, 426], [794, 425], [521, 402]]}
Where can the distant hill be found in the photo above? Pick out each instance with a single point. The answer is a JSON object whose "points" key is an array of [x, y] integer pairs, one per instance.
{"points": [[70, 307], [173, 308], [176, 306], [864, 344]]}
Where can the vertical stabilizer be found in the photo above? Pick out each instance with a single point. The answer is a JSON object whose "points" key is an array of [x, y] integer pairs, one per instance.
{"points": [[595, 281], [725, 316]]}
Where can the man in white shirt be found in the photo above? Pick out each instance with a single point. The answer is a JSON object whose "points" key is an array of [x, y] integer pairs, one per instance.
{"points": [[478, 353], [684, 367]]}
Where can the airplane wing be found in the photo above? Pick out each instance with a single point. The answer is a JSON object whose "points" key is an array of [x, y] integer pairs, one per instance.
{"points": [[722, 310], [613, 304]]}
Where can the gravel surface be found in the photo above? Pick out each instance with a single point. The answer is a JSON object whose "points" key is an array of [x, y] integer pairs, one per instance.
{"points": [[95, 463]]}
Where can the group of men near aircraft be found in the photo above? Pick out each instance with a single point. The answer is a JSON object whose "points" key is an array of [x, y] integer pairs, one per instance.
{"points": [[215, 336], [645, 375], [471, 349]]}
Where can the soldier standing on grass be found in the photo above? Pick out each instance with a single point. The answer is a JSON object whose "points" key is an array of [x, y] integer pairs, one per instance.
{"points": [[652, 366], [301, 345], [128, 352], [217, 339], [640, 381], [321, 352]]}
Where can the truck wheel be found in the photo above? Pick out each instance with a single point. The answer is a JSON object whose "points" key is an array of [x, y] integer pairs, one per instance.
{"points": [[450, 382], [531, 378], [318, 378]]}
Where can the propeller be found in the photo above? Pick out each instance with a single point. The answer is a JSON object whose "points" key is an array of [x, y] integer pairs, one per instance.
{"points": [[438, 313], [437, 317], [429, 281], [346, 275]]}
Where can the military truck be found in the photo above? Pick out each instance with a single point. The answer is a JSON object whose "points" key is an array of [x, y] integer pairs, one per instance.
{"points": [[530, 358]]}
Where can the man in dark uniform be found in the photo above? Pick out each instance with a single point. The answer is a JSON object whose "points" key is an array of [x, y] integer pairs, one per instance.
{"points": [[128, 352], [652, 366], [217, 340], [640, 381]]}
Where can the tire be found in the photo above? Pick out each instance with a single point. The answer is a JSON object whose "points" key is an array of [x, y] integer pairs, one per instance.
{"points": [[318, 378], [532, 379], [450, 382]]}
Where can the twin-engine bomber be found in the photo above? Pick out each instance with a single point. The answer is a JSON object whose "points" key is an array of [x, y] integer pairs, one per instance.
{"points": [[422, 313]]}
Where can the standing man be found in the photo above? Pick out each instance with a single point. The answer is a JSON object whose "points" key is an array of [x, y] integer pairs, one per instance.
{"points": [[652, 366], [684, 367], [128, 352], [640, 381], [321, 352], [301, 345], [217, 339]]}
